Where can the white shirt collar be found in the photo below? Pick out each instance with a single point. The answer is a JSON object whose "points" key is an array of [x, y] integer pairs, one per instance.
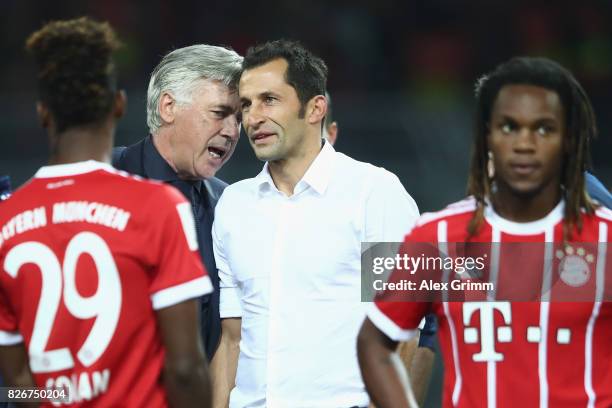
{"points": [[72, 169], [317, 176], [524, 228]]}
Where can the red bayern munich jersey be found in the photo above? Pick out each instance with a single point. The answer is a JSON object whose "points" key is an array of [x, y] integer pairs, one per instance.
{"points": [[87, 254], [505, 354]]}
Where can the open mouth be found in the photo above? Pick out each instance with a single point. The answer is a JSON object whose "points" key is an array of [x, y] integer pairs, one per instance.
{"points": [[216, 152]]}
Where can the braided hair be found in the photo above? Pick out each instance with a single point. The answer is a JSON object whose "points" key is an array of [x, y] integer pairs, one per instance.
{"points": [[579, 124]]}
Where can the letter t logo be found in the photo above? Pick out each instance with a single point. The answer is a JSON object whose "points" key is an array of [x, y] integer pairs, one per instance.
{"points": [[487, 328]]}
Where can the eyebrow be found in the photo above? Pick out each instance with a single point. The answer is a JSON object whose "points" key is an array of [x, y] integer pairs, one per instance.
{"points": [[261, 95], [537, 120], [224, 107]]}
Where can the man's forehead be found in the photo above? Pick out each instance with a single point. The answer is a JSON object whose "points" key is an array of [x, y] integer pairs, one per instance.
{"points": [[272, 73], [527, 100], [215, 90]]}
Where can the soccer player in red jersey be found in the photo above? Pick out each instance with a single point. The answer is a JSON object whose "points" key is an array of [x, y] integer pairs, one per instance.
{"points": [[98, 295], [533, 127]]}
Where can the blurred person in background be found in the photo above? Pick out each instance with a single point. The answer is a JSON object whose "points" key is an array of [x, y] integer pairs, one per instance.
{"points": [[598, 191], [330, 126], [288, 241], [5, 187], [99, 271]]}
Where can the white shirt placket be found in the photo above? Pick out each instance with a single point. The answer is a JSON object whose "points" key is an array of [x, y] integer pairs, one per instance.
{"points": [[276, 287]]}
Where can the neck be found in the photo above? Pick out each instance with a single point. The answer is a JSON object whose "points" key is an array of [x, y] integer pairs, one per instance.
{"points": [[162, 140], [525, 208], [81, 143], [287, 172]]}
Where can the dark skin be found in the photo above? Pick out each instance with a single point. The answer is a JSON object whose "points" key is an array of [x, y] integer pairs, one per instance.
{"points": [[527, 130], [526, 139], [15, 369], [382, 381], [93, 141], [185, 373]]}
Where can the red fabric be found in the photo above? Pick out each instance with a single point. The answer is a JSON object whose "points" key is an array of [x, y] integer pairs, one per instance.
{"points": [[150, 254], [515, 379]]}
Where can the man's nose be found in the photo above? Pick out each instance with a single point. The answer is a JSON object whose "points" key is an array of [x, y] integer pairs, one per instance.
{"points": [[525, 140], [231, 127]]}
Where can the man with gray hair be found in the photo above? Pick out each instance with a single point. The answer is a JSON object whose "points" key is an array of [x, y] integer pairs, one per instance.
{"points": [[192, 114]]}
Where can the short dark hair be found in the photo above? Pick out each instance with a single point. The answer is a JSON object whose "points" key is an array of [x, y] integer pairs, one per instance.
{"points": [[306, 72], [580, 129], [76, 75]]}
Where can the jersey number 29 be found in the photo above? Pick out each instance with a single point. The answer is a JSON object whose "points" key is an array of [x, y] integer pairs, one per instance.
{"points": [[104, 305]]}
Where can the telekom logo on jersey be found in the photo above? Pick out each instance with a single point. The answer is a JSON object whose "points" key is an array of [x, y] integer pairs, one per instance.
{"points": [[487, 328], [490, 335]]}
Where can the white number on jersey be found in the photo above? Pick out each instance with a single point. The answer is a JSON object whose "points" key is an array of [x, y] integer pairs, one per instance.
{"points": [[104, 305]]}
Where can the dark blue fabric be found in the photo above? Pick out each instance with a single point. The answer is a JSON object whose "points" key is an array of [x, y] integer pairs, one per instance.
{"points": [[144, 160], [5, 187], [427, 338], [5, 190], [598, 191]]}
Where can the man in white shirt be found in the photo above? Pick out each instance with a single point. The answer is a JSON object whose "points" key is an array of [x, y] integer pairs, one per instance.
{"points": [[288, 242]]}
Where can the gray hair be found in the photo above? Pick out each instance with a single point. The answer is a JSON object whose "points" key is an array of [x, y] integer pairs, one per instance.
{"points": [[180, 70]]}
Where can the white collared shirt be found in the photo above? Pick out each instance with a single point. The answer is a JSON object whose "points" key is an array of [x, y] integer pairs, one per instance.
{"points": [[290, 267]]}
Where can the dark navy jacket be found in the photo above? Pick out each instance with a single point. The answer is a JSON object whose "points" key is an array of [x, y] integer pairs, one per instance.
{"points": [[144, 160]]}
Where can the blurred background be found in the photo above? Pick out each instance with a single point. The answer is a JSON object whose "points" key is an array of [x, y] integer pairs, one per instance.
{"points": [[401, 72]]}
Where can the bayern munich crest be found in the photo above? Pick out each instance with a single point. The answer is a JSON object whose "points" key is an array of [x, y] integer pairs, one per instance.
{"points": [[574, 266]]}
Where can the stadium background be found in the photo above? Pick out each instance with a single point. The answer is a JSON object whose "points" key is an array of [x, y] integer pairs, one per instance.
{"points": [[401, 72]]}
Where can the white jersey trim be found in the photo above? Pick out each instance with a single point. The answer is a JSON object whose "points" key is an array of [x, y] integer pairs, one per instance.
{"points": [[73, 169], [9, 338], [604, 213], [458, 377], [460, 207], [179, 293], [588, 341], [525, 228], [388, 326]]}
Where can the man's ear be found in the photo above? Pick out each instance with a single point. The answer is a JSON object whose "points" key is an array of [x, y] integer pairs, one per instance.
{"points": [[316, 109], [44, 116], [120, 104], [167, 107]]}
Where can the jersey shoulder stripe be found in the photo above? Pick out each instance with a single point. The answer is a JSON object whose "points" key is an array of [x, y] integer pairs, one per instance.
{"points": [[460, 207]]}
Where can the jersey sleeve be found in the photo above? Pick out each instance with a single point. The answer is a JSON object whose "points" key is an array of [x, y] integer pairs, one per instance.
{"points": [[178, 273], [229, 303], [9, 334], [396, 313]]}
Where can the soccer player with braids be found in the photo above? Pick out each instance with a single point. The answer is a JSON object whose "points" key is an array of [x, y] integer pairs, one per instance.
{"points": [[581, 129], [98, 294], [534, 123]]}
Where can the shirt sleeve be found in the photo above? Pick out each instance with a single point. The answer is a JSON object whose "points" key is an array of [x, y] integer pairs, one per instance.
{"points": [[179, 274], [597, 190], [394, 312], [229, 303], [399, 318], [9, 334], [390, 211]]}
